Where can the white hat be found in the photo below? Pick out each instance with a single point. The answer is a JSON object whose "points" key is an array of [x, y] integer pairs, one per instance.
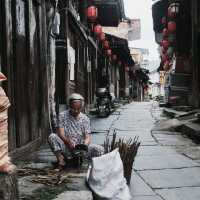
{"points": [[75, 97]]}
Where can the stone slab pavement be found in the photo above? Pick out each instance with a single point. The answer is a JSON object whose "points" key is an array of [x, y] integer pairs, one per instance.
{"points": [[167, 164]]}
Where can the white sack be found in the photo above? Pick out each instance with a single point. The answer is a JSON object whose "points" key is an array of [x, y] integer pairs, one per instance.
{"points": [[106, 177]]}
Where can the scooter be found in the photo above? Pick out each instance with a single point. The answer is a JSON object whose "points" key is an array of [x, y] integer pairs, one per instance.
{"points": [[103, 102]]}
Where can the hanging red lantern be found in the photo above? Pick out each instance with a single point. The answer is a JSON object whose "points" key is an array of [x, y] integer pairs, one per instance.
{"points": [[145, 87], [165, 44], [106, 44], [114, 57], [165, 32], [163, 20], [92, 13], [98, 29], [102, 36], [171, 26], [109, 52]]}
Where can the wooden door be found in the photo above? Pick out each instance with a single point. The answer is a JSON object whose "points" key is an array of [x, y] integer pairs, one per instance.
{"points": [[21, 65], [28, 77]]}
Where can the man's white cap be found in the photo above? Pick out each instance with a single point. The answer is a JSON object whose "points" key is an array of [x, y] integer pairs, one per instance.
{"points": [[75, 97]]}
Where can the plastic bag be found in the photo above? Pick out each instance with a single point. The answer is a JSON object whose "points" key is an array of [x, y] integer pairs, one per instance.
{"points": [[106, 177]]}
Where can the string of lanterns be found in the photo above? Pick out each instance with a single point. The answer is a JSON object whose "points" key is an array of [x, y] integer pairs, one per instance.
{"points": [[92, 15], [169, 34]]}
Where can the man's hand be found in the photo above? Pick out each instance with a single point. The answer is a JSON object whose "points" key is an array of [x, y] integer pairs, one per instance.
{"points": [[87, 140]]}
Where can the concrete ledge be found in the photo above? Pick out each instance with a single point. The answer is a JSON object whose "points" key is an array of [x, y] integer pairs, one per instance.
{"points": [[173, 113], [192, 130]]}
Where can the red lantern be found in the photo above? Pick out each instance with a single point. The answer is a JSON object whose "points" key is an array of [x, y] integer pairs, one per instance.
{"points": [[145, 87], [98, 29], [172, 26], [106, 44], [109, 52], [114, 57], [102, 36], [163, 20], [92, 13], [165, 44], [165, 32]]}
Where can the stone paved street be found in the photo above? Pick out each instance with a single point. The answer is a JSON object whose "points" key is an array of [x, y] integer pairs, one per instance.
{"points": [[167, 166]]}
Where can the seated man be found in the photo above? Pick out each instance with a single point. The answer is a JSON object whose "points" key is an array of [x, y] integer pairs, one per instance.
{"points": [[74, 128]]}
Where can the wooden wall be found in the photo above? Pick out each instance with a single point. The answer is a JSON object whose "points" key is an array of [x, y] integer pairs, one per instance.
{"points": [[24, 63]]}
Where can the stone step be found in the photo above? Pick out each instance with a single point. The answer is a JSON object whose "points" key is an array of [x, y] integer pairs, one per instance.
{"points": [[192, 130], [173, 113]]}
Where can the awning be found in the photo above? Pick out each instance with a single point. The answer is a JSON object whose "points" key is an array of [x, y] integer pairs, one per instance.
{"points": [[159, 10], [120, 47], [111, 12]]}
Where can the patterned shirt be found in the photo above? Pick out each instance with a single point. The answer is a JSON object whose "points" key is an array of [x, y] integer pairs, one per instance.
{"points": [[74, 128]]}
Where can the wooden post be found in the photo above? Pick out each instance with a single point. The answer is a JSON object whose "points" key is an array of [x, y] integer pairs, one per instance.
{"points": [[67, 80], [195, 78]]}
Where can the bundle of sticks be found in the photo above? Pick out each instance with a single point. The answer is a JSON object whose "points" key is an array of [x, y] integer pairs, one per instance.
{"points": [[127, 150]]}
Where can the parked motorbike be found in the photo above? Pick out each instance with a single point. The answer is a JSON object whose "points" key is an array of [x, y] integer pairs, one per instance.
{"points": [[103, 102]]}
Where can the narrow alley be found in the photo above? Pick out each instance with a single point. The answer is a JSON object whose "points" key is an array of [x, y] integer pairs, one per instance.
{"points": [[99, 95], [167, 166]]}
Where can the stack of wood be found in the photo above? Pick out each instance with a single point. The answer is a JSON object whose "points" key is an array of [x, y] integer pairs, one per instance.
{"points": [[127, 149]]}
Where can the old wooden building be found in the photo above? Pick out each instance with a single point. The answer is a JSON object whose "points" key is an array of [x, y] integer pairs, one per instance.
{"points": [[24, 62], [176, 26], [48, 50]]}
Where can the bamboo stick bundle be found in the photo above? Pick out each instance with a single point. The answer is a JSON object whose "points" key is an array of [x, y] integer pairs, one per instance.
{"points": [[127, 150]]}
